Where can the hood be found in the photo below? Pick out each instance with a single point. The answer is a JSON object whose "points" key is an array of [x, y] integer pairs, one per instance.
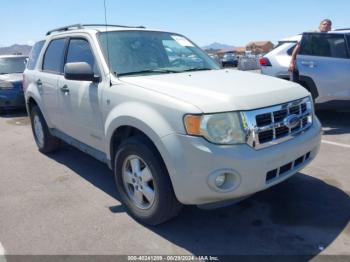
{"points": [[222, 90], [17, 77]]}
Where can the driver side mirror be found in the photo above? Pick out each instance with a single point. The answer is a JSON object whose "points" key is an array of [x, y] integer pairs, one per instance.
{"points": [[80, 71]]}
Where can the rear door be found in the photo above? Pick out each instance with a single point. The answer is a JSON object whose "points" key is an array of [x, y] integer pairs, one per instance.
{"points": [[80, 100], [47, 80], [324, 57]]}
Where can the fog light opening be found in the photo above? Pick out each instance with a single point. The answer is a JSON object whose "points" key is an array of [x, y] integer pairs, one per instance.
{"points": [[220, 180], [224, 180]]}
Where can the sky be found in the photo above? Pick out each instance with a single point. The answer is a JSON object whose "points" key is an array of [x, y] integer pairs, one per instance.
{"points": [[203, 21]]}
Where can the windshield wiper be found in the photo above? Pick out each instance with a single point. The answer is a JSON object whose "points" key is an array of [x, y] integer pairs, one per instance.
{"points": [[195, 69], [163, 71]]}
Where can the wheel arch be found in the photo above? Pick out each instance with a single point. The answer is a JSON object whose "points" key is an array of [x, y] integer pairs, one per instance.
{"points": [[309, 84], [30, 103], [123, 132]]}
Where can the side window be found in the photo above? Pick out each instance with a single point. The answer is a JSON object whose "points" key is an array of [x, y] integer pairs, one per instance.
{"points": [[79, 51], [338, 47], [34, 54], [291, 49], [54, 56], [306, 45], [348, 40], [325, 45]]}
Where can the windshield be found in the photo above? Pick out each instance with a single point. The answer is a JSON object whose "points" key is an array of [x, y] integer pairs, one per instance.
{"points": [[11, 65], [147, 52], [229, 55]]}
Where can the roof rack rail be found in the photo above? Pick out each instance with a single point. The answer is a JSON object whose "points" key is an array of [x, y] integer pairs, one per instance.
{"points": [[81, 26], [341, 29], [125, 26], [65, 28]]}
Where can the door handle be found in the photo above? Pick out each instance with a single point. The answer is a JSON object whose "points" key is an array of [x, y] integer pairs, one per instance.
{"points": [[65, 89], [39, 83], [308, 63]]}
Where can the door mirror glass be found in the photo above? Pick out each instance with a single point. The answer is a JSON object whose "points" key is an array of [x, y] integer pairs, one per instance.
{"points": [[80, 71]]}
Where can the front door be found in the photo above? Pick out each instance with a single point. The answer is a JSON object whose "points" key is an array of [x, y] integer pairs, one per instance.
{"points": [[80, 100], [324, 57]]}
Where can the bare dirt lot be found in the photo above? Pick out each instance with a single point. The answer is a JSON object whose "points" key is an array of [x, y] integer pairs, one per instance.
{"points": [[66, 203]]}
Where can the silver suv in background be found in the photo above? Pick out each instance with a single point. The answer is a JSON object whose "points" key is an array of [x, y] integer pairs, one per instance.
{"points": [[324, 67], [174, 131]]}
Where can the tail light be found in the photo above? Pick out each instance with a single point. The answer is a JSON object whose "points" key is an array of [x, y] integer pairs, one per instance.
{"points": [[263, 61]]}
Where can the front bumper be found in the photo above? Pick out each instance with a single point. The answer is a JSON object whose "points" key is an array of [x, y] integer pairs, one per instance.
{"points": [[11, 99], [192, 161]]}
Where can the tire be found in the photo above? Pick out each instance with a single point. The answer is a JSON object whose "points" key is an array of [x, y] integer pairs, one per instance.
{"points": [[139, 171], [46, 142], [313, 95], [309, 85]]}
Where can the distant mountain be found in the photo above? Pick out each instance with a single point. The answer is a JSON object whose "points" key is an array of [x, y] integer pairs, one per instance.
{"points": [[15, 49], [217, 46]]}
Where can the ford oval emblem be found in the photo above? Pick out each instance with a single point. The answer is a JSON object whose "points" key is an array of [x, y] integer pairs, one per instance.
{"points": [[291, 121]]}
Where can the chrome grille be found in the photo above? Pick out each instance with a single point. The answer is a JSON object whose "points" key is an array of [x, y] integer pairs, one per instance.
{"points": [[273, 125]]}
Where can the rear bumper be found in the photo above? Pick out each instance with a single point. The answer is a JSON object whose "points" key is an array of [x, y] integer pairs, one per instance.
{"points": [[272, 71], [192, 163]]}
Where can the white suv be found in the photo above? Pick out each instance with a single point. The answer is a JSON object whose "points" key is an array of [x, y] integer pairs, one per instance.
{"points": [[175, 130], [323, 65]]}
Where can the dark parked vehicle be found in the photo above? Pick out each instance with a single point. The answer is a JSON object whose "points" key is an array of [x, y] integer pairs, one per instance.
{"points": [[229, 59], [11, 90]]}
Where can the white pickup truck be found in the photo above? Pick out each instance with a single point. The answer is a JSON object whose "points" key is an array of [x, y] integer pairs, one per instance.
{"points": [[174, 127]]}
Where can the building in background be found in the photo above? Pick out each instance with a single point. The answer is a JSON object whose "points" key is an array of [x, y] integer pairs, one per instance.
{"points": [[259, 47], [253, 48]]}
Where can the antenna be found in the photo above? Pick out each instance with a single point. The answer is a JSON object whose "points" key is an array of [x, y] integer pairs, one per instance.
{"points": [[109, 65]]}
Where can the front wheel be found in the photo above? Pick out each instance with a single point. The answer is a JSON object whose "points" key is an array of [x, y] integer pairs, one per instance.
{"points": [[46, 142], [143, 182]]}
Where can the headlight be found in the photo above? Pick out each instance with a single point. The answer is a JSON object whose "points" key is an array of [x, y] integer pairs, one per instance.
{"points": [[223, 128], [309, 104], [5, 85]]}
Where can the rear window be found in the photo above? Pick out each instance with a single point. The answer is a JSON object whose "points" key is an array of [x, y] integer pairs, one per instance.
{"points": [[34, 54], [324, 45], [290, 49], [53, 58]]}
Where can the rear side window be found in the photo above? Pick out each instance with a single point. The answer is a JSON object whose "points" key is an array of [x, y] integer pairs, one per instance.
{"points": [[325, 45], [79, 51], [286, 44], [53, 58], [34, 54], [348, 40]]}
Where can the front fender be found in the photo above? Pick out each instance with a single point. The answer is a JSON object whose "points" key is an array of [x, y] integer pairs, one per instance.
{"points": [[139, 116]]}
